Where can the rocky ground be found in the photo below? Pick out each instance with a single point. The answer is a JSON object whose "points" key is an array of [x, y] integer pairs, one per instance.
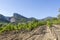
{"points": [[40, 33]]}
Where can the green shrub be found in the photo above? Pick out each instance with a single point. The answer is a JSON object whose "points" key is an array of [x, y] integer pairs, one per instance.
{"points": [[49, 23], [56, 22], [24, 26]]}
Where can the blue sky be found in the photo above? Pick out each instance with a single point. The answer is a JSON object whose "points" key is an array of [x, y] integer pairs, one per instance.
{"points": [[30, 8]]}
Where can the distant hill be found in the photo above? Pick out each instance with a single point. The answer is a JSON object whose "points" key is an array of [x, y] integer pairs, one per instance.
{"points": [[49, 18], [3, 19], [16, 18]]}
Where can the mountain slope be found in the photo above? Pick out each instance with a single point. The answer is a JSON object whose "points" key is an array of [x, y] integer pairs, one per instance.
{"points": [[3, 19], [16, 18], [19, 18]]}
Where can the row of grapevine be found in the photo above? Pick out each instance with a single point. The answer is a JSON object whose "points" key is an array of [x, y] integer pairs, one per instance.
{"points": [[21, 26]]}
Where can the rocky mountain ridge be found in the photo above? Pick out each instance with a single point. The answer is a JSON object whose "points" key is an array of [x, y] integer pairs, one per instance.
{"points": [[15, 18]]}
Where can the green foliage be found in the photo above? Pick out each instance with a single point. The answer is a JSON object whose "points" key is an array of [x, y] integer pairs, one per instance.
{"points": [[49, 23], [56, 22], [40, 23], [27, 26], [22, 26]]}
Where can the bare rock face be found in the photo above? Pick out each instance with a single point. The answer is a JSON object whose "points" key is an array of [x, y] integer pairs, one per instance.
{"points": [[56, 30], [40, 33]]}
